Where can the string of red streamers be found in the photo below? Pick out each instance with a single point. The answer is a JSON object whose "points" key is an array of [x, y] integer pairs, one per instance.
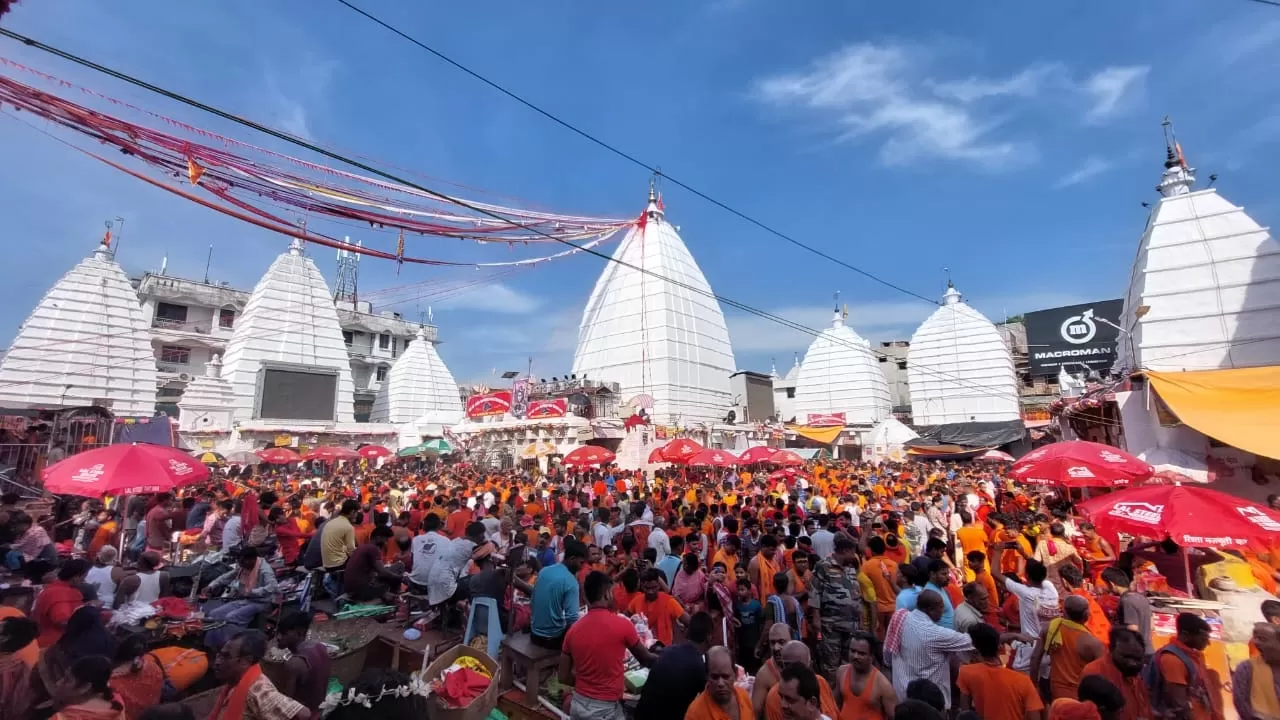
{"points": [[238, 182]]}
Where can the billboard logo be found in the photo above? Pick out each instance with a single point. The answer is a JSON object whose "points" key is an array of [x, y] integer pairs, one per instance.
{"points": [[1145, 513], [1079, 329]]}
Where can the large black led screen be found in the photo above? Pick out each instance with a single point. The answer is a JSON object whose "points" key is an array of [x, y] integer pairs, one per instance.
{"points": [[294, 395]]}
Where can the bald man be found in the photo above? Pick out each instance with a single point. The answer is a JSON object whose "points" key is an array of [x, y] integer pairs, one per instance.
{"points": [[1069, 646], [796, 653], [722, 700], [778, 637]]}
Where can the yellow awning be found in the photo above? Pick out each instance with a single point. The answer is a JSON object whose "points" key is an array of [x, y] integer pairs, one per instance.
{"points": [[824, 435], [1238, 407]]}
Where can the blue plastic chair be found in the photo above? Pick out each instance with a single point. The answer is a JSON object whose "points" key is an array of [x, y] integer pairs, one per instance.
{"points": [[494, 633]]}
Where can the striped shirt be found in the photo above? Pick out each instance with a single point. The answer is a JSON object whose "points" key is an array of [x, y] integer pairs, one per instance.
{"points": [[924, 652]]}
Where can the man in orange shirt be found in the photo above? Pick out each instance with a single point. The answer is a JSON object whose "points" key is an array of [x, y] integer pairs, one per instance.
{"points": [[1122, 667], [455, 524], [977, 561], [1188, 688], [660, 610], [1069, 645], [1098, 624], [971, 538], [883, 573], [994, 691]]}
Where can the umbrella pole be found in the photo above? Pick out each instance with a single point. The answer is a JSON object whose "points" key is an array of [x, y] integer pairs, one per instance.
{"points": [[1186, 565]]}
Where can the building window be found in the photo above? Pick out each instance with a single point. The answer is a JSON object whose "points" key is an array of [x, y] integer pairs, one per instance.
{"points": [[170, 314], [791, 393], [384, 341], [175, 354], [902, 364], [226, 318], [382, 373], [395, 345], [348, 338], [884, 358]]}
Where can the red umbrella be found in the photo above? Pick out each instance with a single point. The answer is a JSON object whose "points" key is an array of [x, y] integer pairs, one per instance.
{"points": [[786, 458], [373, 452], [655, 457], [994, 455], [713, 458], [757, 454], [589, 455], [1078, 463], [679, 451], [124, 470], [329, 453], [279, 456], [1192, 516]]}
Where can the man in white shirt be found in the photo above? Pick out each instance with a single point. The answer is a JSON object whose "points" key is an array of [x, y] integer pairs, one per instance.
{"points": [[824, 541], [426, 549], [1037, 603], [601, 533], [658, 539]]}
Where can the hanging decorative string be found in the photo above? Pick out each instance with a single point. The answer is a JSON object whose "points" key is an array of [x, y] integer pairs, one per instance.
{"points": [[244, 180]]}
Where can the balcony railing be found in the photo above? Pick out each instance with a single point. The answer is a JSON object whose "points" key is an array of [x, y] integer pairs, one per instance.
{"points": [[180, 326]]}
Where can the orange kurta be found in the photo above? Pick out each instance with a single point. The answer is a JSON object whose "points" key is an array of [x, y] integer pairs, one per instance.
{"points": [[773, 702], [858, 706]]}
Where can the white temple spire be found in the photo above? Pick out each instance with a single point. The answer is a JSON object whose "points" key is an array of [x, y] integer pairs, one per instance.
{"points": [[840, 374]]}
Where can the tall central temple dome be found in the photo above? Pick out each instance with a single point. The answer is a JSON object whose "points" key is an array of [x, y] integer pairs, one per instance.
{"points": [[652, 326]]}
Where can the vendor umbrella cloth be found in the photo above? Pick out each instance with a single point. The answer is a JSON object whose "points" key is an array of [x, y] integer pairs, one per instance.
{"points": [[589, 455], [786, 458], [279, 456], [329, 453], [994, 456], [757, 454], [713, 458], [1078, 464], [124, 470], [1192, 516], [679, 451], [373, 452]]}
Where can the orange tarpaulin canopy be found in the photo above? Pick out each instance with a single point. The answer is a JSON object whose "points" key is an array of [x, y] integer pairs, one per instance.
{"points": [[1237, 407], [824, 435]]}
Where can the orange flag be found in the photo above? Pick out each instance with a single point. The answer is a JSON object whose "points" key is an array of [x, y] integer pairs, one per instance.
{"points": [[194, 171]]}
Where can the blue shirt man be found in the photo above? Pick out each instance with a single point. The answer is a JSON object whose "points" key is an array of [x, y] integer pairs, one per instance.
{"points": [[948, 620], [555, 597]]}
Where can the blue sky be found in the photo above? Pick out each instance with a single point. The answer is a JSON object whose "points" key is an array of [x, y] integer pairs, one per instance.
{"points": [[1011, 142]]}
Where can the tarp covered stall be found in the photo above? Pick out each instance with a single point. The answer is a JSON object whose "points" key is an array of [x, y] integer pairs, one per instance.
{"points": [[982, 435], [888, 439], [1237, 407]]}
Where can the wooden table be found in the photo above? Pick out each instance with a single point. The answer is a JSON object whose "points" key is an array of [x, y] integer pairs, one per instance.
{"points": [[390, 649]]}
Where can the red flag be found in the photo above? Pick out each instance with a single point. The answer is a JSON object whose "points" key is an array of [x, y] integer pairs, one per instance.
{"points": [[106, 239]]}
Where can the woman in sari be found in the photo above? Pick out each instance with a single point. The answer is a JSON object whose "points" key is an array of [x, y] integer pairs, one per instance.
{"points": [[690, 587], [137, 679], [719, 604], [86, 693]]}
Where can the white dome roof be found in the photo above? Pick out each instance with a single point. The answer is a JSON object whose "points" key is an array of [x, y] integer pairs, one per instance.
{"points": [[419, 383], [289, 320], [1209, 276], [840, 374], [891, 432], [86, 341], [652, 336], [959, 368]]}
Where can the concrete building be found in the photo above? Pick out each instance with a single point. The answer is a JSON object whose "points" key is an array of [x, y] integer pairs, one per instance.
{"points": [[192, 321], [892, 355], [752, 396]]}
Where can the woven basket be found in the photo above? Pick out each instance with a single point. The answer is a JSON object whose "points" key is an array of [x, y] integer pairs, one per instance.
{"points": [[349, 634]]}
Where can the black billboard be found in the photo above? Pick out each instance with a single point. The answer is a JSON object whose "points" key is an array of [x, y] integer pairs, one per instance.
{"points": [[1073, 336]]}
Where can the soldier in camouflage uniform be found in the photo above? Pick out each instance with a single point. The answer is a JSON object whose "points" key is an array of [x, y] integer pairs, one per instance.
{"points": [[836, 598]]}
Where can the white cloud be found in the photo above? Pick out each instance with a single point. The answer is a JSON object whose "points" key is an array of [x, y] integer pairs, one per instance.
{"points": [[1091, 167], [872, 89], [1112, 90], [1026, 83], [1233, 42], [883, 91], [495, 298]]}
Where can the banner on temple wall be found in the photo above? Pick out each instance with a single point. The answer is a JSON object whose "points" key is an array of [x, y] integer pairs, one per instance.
{"points": [[826, 419], [660, 433], [520, 398], [547, 409], [493, 403], [283, 440]]}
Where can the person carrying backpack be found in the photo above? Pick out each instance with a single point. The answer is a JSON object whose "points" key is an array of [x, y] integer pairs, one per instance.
{"points": [[1182, 686]]}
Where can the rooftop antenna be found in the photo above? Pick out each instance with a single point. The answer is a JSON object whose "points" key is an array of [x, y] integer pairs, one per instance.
{"points": [[207, 262], [1172, 148], [346, 288], [947, 271]]}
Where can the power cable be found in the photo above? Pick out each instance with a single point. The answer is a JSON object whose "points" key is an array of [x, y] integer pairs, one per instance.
{"points": [[31, 42], [629, 157]]}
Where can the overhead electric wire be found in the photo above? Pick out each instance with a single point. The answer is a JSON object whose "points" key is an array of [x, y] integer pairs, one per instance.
{"points": [[292, 232], [632, 158]]}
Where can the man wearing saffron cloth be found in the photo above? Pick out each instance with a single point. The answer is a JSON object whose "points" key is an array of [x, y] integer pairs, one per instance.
{"points": [[796, 654], [722, 700], [660, 610], [247, 693]]}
